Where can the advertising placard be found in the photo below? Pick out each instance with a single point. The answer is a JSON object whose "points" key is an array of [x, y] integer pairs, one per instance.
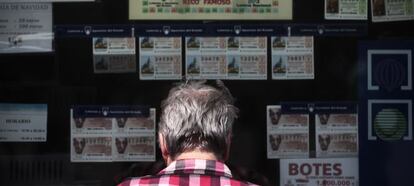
{"points": [[292, 58], [392, 10], [346, 9], [232, 58], [319, 172], [287, 133], [334, 135], [25, 27], [112, 133], [23, 122], [386, 97], [210, 9], [160, 58], [39, 1], [113, 55], [336, 130]]}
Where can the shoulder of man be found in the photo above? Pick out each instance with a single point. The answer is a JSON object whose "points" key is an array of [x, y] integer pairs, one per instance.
{"points": [[177, 180]]}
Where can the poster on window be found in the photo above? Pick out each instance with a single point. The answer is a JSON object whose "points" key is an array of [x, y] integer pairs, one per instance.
{"points": [[292, 58], [25, 27], [336, 130], [346, 9], [39, 1], [23, 122], [133, 148], [386, 96], [234, 58], [112, 133], [336, 135], [114, 55], [318, 172], [392, 10], [210, 9], [287, 133], [160, 58]]}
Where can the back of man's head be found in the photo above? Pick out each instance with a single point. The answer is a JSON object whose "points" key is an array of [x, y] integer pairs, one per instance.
{"points": [[196, 116]]}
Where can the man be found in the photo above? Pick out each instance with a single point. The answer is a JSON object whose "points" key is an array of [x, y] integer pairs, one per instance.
{"points": [[194, 136]]}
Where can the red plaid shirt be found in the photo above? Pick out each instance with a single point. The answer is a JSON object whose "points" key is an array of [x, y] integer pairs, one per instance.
{"points": [[189, 172]]}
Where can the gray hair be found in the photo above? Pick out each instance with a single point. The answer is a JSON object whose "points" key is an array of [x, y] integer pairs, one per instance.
{"points": [[197, 116]]}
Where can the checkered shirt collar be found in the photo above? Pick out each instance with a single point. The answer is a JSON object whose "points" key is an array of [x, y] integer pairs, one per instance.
{"points": [[197, 166]]}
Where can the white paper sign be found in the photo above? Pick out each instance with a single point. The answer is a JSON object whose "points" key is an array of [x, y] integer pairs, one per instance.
{"points": [[25, 27], [318, 172], [392, 10], [112, 133], [234, 58], [292, 58], [287, 134], [160, 58], [114, 55], [336, 135], [346, 9], [23, 122]]}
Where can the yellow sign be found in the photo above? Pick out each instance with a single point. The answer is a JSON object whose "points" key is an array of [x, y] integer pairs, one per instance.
{"points": [[210, 9]]}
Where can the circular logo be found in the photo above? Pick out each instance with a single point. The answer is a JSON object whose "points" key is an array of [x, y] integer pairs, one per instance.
{"points": [[389, 74], [390, 124]]}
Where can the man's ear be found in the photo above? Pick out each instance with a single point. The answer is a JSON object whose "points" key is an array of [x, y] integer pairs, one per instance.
{"points": [[163, 147]]}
